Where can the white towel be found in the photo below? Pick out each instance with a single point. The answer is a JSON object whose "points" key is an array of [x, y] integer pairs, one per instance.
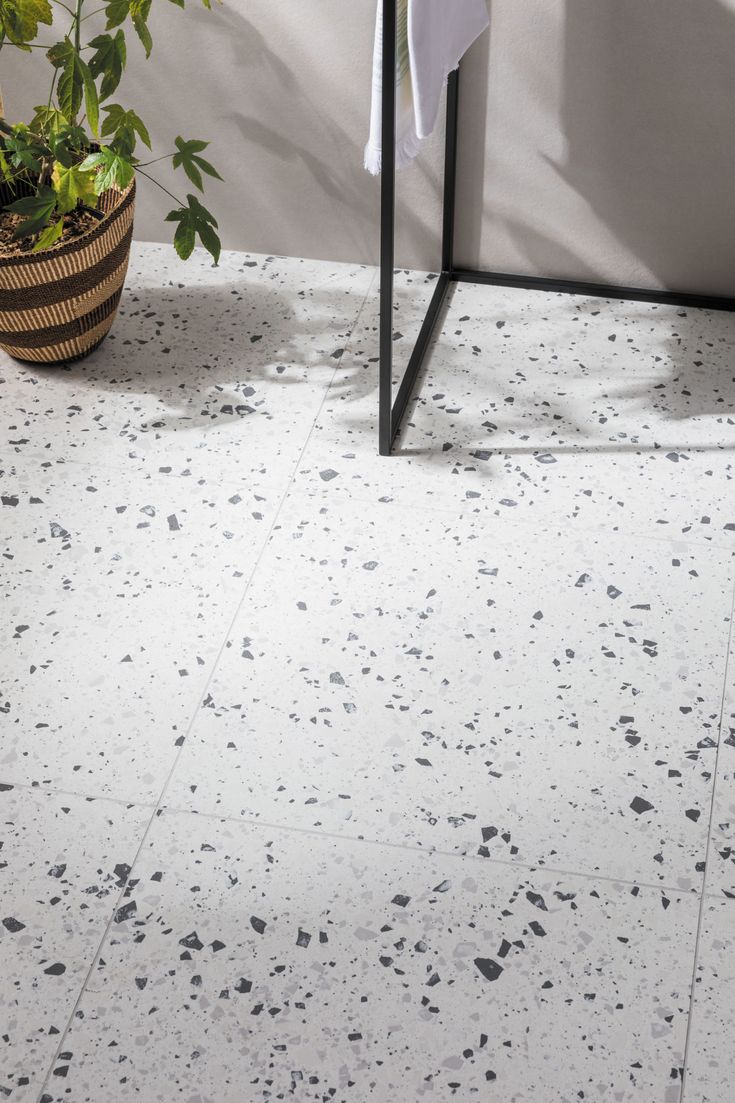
{"points": [[433, 36]]}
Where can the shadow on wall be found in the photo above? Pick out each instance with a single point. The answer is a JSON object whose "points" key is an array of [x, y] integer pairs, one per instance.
{"points": [[350, 198], [649, 90], [543, 254]]}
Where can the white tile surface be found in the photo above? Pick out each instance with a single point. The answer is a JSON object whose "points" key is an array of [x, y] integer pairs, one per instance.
{"points": [[721, 866], [709, 1065], [64, 861], [214, 371], [462, 709], [118, 591], [269, 965], [433, 680], [528, 406]]}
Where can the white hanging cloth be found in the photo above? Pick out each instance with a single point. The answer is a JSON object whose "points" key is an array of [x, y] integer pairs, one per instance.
{"points": [[433, 36]]}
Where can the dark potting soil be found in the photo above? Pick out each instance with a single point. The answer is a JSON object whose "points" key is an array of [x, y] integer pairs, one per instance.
{"points": [[76, 223]]}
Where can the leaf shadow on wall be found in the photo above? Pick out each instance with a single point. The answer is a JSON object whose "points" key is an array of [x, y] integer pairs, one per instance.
{"points": [[350, 197], [647, 105]]}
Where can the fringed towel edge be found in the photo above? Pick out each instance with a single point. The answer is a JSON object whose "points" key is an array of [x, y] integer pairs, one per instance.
{"points": [[406, 152]]}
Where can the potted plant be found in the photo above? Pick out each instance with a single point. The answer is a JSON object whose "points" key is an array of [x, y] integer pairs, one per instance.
{"points": [[67, 183]]}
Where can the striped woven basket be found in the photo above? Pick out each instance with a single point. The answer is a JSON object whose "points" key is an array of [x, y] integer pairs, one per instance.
{"points": [[58, 305]]}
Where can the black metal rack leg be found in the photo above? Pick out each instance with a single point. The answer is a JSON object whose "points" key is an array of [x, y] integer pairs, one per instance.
{"points": [[387, 226], [390, 412]]}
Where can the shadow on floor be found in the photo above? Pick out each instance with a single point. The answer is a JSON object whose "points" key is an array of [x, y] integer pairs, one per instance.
{"points": [[700, 381], [202, 349], [194, 347]]}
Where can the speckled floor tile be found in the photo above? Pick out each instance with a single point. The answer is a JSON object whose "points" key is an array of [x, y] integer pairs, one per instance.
{"points": [[118, 590], [63, 863], [415, 678], [259, 965], [710, 1063], [607, 414], [465, 722], [721, 865], [674, 495], [217, 371]]}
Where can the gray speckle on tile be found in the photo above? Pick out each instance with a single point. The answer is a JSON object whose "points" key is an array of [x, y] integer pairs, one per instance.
{"points": [[63, 863], [414, 993]]}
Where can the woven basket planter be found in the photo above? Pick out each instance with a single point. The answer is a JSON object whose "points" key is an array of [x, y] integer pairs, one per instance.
{"points": [[58, 305]]}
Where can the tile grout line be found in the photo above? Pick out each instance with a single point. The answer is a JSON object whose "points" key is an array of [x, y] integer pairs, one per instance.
{"points": [[361, 840], [328, 387], [43, 1096], [703, 902], [252, 479], [522, 520], [461, 509], [52, 791], [429, 509]]}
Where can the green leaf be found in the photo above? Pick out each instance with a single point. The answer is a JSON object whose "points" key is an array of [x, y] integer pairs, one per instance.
{"points": [[50, 235], [57, 53], [19, 19], [210, 240], [71, 85], [67, 143], [75, 81], [185, 239], [187, 156], [73, 185], [139, 12], [91, 101], [47, 119], [25, 151], [72, 137], [117, 11], [35, 209], [112, 169], [109, 60], [194, 220], [125, 125]]}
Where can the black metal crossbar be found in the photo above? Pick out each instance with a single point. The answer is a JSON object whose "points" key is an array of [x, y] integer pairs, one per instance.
{"points": [[391, 411]]}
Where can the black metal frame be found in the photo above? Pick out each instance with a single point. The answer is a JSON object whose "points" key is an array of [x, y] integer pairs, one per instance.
{"points": [[391, 413]]}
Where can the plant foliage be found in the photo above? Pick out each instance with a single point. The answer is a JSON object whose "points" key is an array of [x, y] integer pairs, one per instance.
{"points": [[79, 144]]}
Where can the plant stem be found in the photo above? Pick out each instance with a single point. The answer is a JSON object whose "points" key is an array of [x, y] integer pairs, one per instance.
{"points": [[46, 170], [51, 89], [159, 185], [163, 157], [78, 27]]}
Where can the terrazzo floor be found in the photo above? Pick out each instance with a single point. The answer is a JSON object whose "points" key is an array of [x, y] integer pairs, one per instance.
{"points": [[327, 777]]}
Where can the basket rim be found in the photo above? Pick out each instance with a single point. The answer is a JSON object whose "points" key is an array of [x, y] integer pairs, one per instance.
{"points": [[65, 249]]}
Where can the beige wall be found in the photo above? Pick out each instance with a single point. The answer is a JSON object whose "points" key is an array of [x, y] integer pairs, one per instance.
{"points": [[597, 135]]}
